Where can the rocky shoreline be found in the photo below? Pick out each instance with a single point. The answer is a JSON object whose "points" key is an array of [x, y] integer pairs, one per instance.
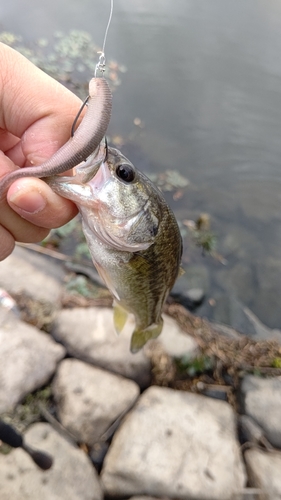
{"points": [[129, 426]]}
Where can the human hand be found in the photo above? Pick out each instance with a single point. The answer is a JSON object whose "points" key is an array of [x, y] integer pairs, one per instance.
{"points": [[36, 115]]}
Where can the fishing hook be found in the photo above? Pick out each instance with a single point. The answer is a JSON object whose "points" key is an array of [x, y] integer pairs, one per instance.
{"points": [[106, 148], [100, 66], [78, 114]]}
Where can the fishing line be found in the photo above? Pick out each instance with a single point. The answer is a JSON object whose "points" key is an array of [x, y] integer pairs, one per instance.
{"points": [[101, 63], [100, 66]]}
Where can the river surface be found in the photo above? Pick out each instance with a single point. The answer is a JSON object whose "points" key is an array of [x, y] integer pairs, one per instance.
{"points": [[204, 79]]}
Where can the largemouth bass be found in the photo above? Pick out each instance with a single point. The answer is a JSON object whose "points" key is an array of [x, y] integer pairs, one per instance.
{"points": [[133, 237]]}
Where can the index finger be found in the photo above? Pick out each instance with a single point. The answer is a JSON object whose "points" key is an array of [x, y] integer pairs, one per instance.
{"points": [[39, 111]]}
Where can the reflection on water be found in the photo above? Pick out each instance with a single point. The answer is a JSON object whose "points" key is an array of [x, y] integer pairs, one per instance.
{"points": [[204, 79]]}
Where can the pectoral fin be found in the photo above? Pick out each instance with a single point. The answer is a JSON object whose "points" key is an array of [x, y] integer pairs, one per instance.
{"points": [[120, 316], [140, 337], [107, 279], [181, 272]]}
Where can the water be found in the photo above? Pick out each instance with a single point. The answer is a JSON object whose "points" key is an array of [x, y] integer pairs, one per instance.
{"points": [[204, 78]]}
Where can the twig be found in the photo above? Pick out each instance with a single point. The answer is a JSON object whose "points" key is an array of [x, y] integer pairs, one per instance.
{"points": [[45, 251], [56, 424]]}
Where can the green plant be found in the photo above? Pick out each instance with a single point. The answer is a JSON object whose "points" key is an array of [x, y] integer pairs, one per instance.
{"points": [[194, 366]]}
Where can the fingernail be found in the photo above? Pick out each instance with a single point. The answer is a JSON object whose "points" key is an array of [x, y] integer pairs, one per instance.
{"points": [[31, 202]]}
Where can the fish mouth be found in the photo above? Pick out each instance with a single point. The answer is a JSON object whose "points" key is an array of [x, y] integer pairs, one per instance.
{"points": [[102, 176]]}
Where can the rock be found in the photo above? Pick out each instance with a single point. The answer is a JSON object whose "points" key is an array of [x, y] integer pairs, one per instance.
{"points": [[195, 295], [191, 299], [194, 277], [261, 399], [215, 391], [174, 341], [141, 497], [71, 476], [230, 311], [251, 431], [239, 242], [28, 359], [251, 494], [33, 274], [89, 399], [264, 472], [98, 452], [175, 444], [262, 332], [268, 289], [89, 335], [239, 280]]}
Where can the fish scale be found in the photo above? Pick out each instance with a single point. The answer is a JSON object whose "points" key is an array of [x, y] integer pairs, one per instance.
{"points": [[133, 237]]}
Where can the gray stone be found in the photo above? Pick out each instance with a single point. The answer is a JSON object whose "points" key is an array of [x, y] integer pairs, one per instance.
{"points": [[196, 295], [268, 290], [251, 494], [28, 359], [175, 444], [71, 476], [89, 334], [174, 341], [196, 276], [262, 332], [225, 330], [142, 497], [89, 399], [191, 299], [262, 401], [251, 431], [264, 473], [239, 280], [239, 242], [33, 274], [229, 310]]}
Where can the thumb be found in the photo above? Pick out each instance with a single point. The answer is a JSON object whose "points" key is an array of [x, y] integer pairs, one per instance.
{"points": [[35, 202]]}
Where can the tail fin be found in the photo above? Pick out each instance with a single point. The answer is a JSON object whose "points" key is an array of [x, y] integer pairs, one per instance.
{"points": [[140, 337]]}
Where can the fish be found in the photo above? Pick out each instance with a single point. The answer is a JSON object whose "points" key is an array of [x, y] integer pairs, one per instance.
{"points": [[132, 234], [81, 144]]}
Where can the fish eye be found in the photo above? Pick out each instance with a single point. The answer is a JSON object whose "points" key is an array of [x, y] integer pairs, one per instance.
{"points": [[125, 172]]}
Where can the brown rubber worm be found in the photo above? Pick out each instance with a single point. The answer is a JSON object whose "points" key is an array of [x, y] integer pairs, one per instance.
{"points": [[81, 145]]}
